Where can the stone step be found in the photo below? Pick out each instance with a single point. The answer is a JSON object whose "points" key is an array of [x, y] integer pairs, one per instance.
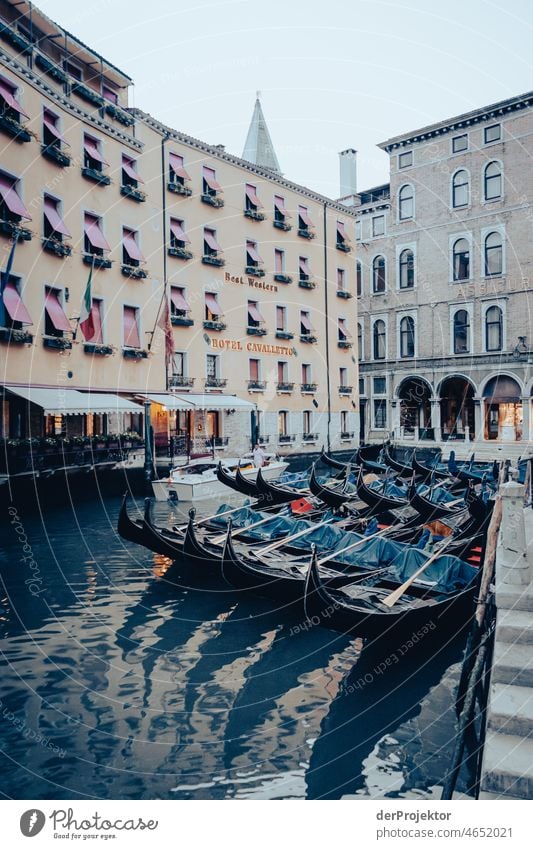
{"points": [[512, 664], [511, 710], [509, 597], [507, 765], [514, 626]]}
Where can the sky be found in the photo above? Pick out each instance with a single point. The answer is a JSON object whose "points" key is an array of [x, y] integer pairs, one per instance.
{"points": [[332, 74]]}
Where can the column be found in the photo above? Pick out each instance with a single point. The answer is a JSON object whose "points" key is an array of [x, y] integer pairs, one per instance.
{"points": [[395, 419], [526, 408], [513, 562], [435, 419], [478, 419]]}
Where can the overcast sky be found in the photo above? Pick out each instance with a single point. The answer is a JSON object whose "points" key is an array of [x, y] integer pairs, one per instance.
{"points": [[332, 73]]}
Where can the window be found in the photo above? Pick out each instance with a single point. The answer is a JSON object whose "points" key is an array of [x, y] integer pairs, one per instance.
{"points": [[343, 376], [307, 418], [305, 225], [177, 175], [96, 316], [109, 94], [378, 225], [461, 260], [281, 318], [360, 351], [13, 313], [11, 108], [253, 370], [343, 243], [211, 246], [460, 143], [178, 237], [283, 372], [73, 70], [180, 364], [212, 308], [283, 423], [305, 323], [361, 386], [53, 225], [380, 340], [252, 202], [130, 177], [280, 213], [492, 181], [493, 260], [407, 336], [359, 277], [132, 337], [92, 153], [279, 261], [407, 269], [494, 329], [253, 259], [379, 281], [342, 330], [379, 386], [460, 189], [380, 413], [255, 319], [405, 159], [344, 423], [492, 133], [210, 187], [211, 367], [52, 136], [131, 254], [461, 332], [406, 203], [306, 373], [358, 230], [341, 280], [55, 321], [94, 241], [179, 306], [304, 270], [11, 206]]}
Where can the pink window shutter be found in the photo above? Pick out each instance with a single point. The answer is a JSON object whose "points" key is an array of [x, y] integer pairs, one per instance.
{"points": [[278, 261], [97, 321], [92, 149], [131, 328], [7, 93], [50, 122], [94, 233], [14, 305], [176, 163], [254, 312], [210, 178], [177, 230], [254, 370], [128, 166], [178, 299], [251, 194], [252, 250], [12, 198], [53, 217], [211, 303], [304, 266], [304, 319], [131, 246], [209, 237], [56, 313], [302, 212]]}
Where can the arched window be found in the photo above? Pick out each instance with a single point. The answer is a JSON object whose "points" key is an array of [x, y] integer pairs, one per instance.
{"points": [[493, 255], [492, 181], [406, 202], [461, 332], [379, 281], [380, 340], [460, 189], [359, 275], [359, 342], [407, 336], [407, 269], [494, 329], [461, 260]]}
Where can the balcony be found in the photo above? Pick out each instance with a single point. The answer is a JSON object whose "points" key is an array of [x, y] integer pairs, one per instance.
{"points": [[213, 259], [214, 325], [212, 200], [134, 354], [133, 192], [14, 128], [13, 37], [57, 247], [49, 68], [88, 94], [58, 343], [254, 270], [97, 349], [256, 331], [284, 386], [343, 343], [281, 225], [215, 382], [342, 293], [308, 338], [345, 390], [15, 231], [119, 114], [254, 215], [180, 253], [95, 176], [284, 438], [263, 440], [33, 455], [256, 385], [310, 437], [179, 189], [54, 152], [99, 261], [308, 388], [15, 337], [346, 435], [343, 246], [181, 381], [306, 233], [282, 278], [306, 283], [284, 334], [181, 321], [135, 272]]}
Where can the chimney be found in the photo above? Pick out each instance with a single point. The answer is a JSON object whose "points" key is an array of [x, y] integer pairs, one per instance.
{"points": [[348, 172]]}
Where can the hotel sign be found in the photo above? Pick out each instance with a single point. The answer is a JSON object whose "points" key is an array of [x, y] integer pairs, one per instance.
{"points": [[255, 284], [252, 347]]}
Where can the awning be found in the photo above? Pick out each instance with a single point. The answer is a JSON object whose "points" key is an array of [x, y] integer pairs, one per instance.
{"points": [[252, 250], [130, 245], [176, 228], [209, 237], [14, 305], [131, 328], [57, 401], [7, 93], [56, 222], [251, 194], [128, 165], [50, 122], [55, 312], [254, 313], [91, 148], [279, 203], [217, 402], [172, 401], [11, 197], [304, 265], [178, 299], [94, 234], [343, 329], [212, 304], [209, 177], [305, 320], [176, 163], [302, 212]]}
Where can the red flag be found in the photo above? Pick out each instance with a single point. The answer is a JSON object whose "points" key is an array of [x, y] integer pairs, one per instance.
{"points": [[166, 327]]}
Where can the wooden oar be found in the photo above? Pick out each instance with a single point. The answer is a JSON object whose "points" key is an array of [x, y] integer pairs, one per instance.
{"points": [[335, 554], [396, 595]]}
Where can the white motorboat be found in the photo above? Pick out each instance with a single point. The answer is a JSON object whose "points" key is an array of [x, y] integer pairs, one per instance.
{"points": [[198, 479]]}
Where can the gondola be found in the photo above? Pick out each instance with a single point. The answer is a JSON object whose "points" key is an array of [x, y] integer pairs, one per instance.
{"points": [[160, 540], [361, 613], [376, 499], [204, 555], [274, 493], [330, 461], [430, 510], [400, 468], [233, 483], [426, 473], [332, 497], [128, 528], [143, 531]]}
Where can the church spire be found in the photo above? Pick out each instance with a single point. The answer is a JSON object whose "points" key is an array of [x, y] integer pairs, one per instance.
{"points": [[258, 147]]}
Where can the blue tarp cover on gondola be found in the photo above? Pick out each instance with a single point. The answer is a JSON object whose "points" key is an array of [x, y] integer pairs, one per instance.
{"points": [[448, 573]]}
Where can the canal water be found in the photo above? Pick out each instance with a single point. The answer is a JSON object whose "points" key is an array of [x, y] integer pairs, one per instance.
{"points": [[120, 682]]}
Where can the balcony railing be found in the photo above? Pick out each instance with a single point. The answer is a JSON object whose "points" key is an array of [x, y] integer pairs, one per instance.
{"points": [[257, 385], [97, 260], [256, 331], [306, 282], [15, 337], [213, 200], [53, 152], [308, 387], [55, 246], [181, 320], [214, 259], [343, 246], [134, 353], [14, 128], [343, 343], [283, 438], [180, 253], [181, 380], [35, 454], [215, 382], [88, 94], [14, 230], [96, 176], [284, 334], [179, 189], [135, 272], [310, 437], [282, 278], [133, 192], [284, 386], [281, 225], [254, 214], [119, 114], [49, 68], [60, 343], [306, 233], [308, 337], [97, 349], [342, 293], [254, 270], [347, 434], [345, 390], [209, 324]]}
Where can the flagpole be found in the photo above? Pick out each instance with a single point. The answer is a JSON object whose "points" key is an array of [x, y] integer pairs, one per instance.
{"points": [[75, 332], [152, 332]]}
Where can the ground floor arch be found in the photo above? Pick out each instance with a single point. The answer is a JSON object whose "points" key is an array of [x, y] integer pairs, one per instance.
{"points": [[414, 396], [503, 409], [456, 399]]}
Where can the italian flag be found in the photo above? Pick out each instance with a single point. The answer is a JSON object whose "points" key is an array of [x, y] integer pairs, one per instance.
{"points": [[86, 314]]}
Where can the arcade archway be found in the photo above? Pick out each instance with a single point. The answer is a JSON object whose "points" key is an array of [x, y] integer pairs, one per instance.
{"points": [[415, 406], [457, 408], [503, 409]]}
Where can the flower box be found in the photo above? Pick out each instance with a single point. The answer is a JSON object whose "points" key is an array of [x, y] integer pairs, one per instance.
{"points": [[307, 337], [256, 385], [133, 192], [345, 434], [180, 380], [99, 261], [305, 283], [215, 382], [284, 334], [181, 321], [254, 271], [60, 343], [134, 354], [180, 253], [97, 349], [212, 259], [343, 343], [305, 233], [15, 337], [133, 271], [49, 68], [282, 278], [342, 246], [96, 176], [342, 293], [310, 437], [15, 231], [214, 325], [284, 437], [119, 114], [254, 215], [256, 331], [14, 128], [88, 94], [54, 246], [179, 189], [345, 390], [53, 152], [213, 200], [283, 386], [14, 38], [281, 225], [308, 387]]}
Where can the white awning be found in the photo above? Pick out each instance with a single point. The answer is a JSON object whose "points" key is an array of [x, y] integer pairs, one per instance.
{"points": [[58, 401], [172, 401], [219, 402]]}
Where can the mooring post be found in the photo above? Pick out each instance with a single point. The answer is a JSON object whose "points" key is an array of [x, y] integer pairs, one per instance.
{"points": [[148, 458], [513, 562]]}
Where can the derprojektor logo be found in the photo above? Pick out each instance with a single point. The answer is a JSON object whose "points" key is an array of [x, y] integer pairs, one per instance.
{"points": [[32, 822]]}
